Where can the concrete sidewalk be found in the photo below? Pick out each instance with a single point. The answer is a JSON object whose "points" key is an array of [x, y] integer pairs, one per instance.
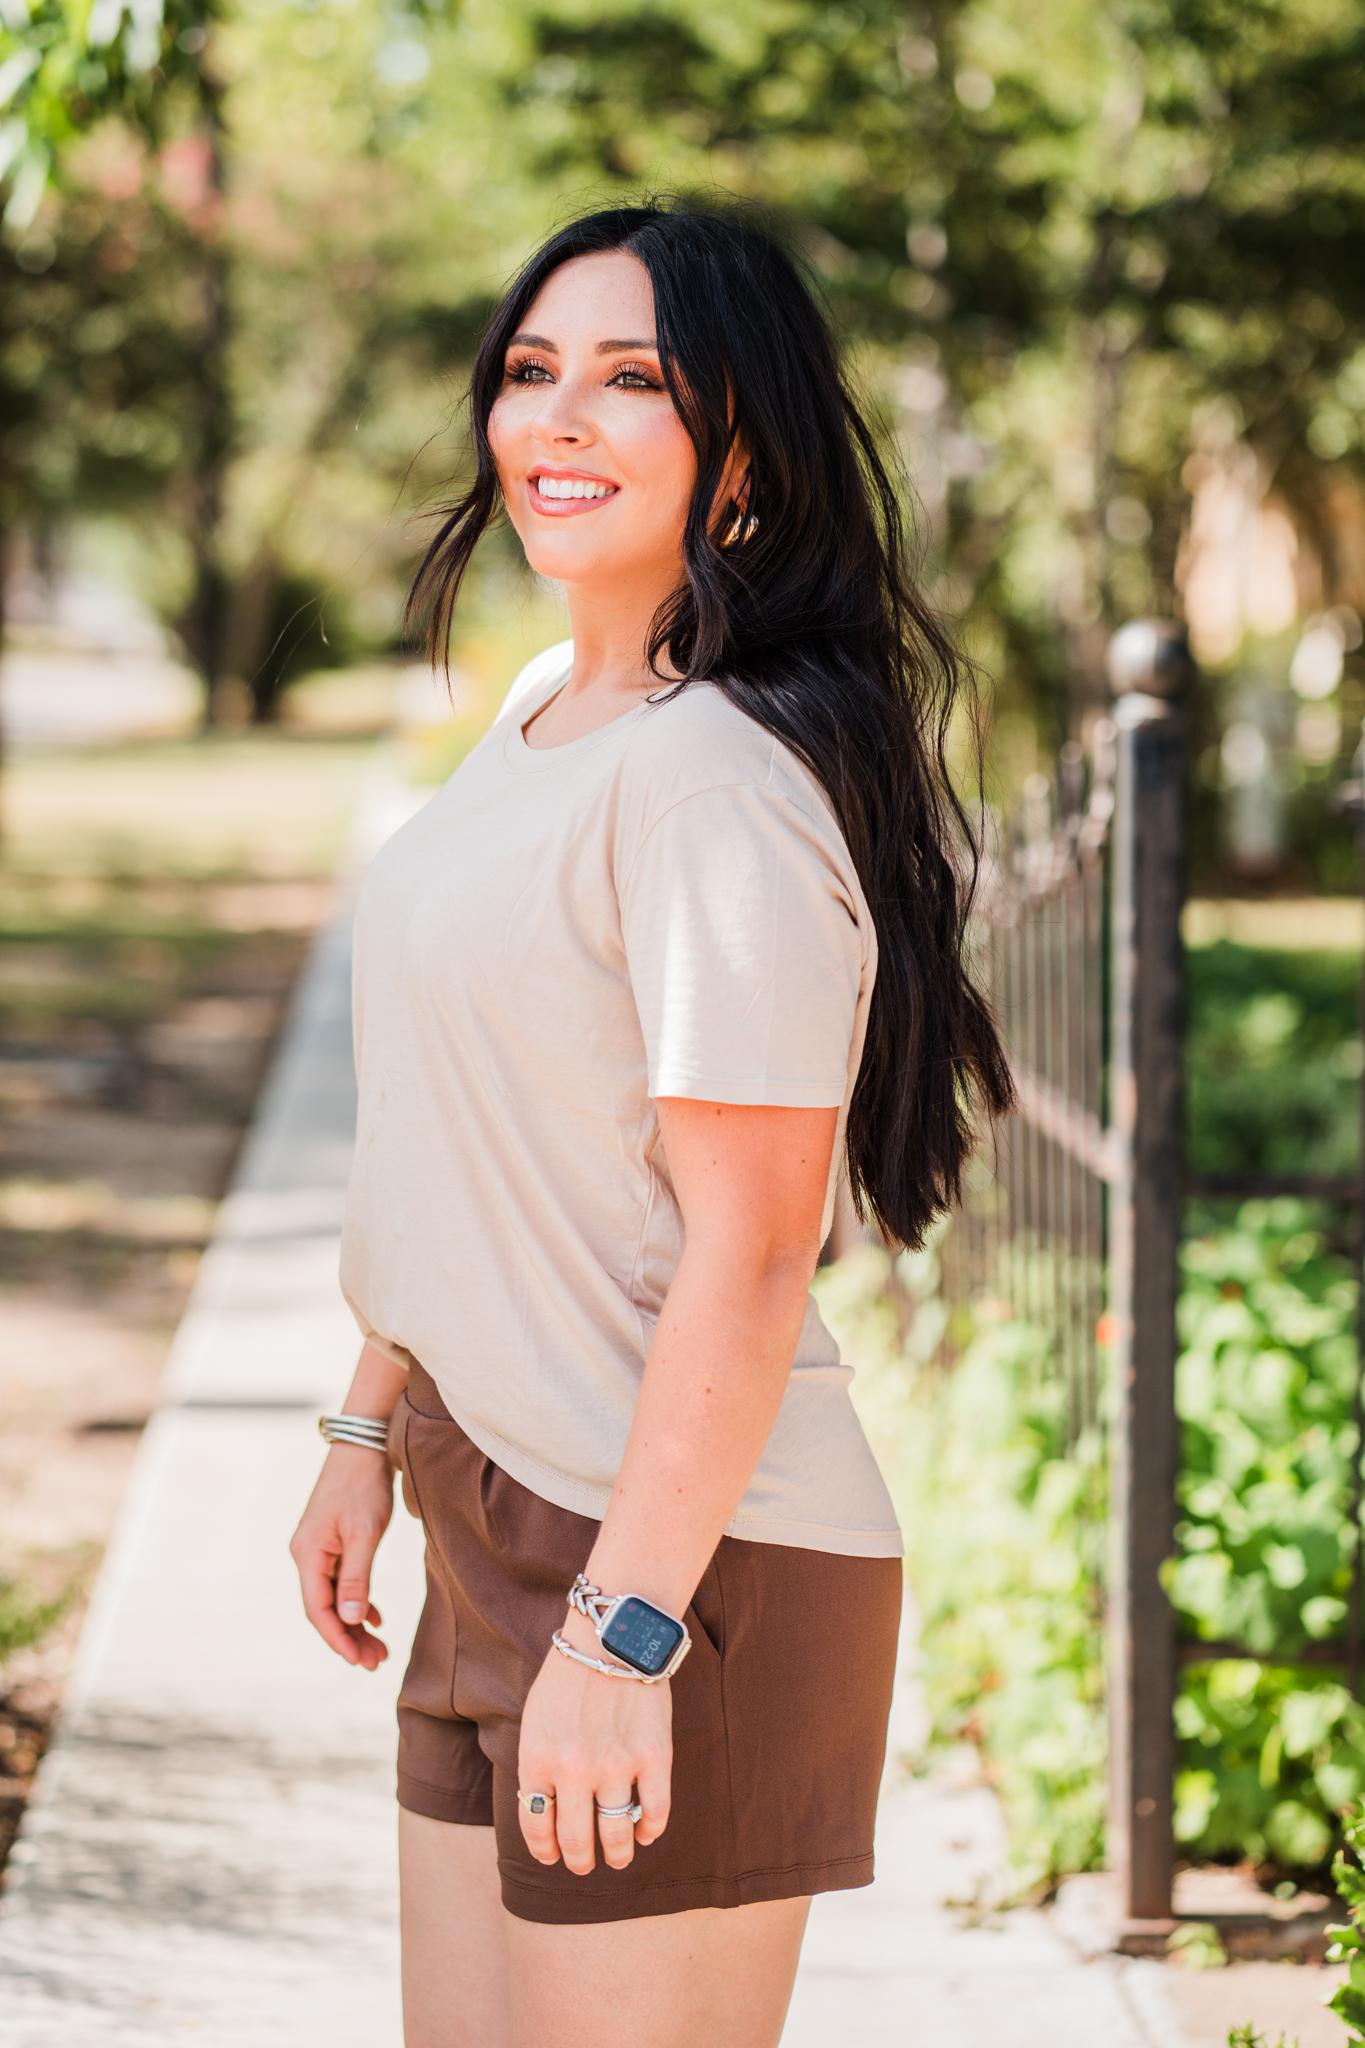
{"points": [[210, 1854]]}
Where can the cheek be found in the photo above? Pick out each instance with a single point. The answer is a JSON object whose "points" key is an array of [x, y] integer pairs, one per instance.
{"points": [[501, 430], [662, 465], [509, 443]]}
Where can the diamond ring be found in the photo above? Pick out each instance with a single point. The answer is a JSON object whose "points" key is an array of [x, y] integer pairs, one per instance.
{"points": [[632, 1811]]}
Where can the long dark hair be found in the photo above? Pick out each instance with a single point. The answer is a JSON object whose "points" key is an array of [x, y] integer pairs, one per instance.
{"points": [[810, 622]]}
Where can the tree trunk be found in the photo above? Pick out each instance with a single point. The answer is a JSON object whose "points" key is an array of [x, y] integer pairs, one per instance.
{"points": [[205, 620], [5, 559]]}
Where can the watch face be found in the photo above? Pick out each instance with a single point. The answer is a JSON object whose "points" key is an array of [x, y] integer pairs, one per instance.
{"points": [[641, 1636]]}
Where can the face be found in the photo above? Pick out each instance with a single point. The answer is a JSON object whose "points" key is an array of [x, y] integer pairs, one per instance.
{"points": [[596, 468]]}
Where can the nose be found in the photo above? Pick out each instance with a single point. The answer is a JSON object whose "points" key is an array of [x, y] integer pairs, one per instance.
{"points": [[560, 415]]}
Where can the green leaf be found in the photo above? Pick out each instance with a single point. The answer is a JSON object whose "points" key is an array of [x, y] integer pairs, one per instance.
{"points": [[1196, 1796], [1349, 2004], [1340, 1778], [30, 171], [14, 70], [1308, 1718], [1297, 1834], [13, 137], [1286, 1565], [1321, 1615]]}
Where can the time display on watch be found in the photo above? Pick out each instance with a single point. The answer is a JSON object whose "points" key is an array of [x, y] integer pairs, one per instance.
{"points": [[641, 1635]]}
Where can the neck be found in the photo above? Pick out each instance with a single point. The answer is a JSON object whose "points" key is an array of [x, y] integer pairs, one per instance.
{"points": [[609, 628]]}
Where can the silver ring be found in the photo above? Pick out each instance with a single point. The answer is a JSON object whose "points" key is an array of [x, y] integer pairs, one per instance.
{"points": [[536, 1802], [632, 1811]]}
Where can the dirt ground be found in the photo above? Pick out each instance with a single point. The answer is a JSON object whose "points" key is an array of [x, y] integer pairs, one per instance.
{"points": [[120, 1140]]}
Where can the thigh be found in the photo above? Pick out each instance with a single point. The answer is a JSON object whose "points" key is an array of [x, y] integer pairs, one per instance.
{"points": [[666, 1980], [453, 1926]]}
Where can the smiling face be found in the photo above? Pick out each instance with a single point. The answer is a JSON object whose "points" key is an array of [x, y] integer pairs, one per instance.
{"points": [[596, 468]]}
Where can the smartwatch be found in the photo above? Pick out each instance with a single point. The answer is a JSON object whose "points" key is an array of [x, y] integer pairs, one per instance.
{"points": [[640, 1634]]}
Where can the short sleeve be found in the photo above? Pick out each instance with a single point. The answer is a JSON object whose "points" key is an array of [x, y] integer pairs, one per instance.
{"points": [[744, 950]]}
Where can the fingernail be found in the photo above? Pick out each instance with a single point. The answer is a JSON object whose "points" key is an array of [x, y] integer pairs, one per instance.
{"points": [[351, 1610]]}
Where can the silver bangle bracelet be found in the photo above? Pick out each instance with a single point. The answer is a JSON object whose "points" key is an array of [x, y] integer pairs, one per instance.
{"points": [[370, 1431]]}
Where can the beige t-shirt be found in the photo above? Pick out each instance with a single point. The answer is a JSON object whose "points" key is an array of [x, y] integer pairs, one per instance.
{"points": [[664, 906]]}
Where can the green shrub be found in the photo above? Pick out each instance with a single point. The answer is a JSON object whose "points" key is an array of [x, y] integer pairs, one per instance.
{"points": [[1348, 1938], [1273, 1061], [1004, 1533], [1269, 1755], [1000, 1526]]}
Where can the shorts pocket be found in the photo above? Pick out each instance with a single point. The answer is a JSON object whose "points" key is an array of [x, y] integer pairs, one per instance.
{"points": [[397, 1449], [705, 1617]]}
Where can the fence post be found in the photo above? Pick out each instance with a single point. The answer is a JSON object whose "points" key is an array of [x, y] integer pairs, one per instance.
{"points": [[1149, 673]]}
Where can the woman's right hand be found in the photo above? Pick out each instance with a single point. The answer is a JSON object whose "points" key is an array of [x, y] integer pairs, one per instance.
{"points": [[334, 1546]]}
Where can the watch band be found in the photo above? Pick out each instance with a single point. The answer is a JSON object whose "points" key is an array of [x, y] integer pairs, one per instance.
{"points": [[599, 1607], [590, 1600], [566, 1649]]}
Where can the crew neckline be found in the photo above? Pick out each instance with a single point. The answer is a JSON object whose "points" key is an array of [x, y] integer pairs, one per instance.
{"points": [[517, 749]]}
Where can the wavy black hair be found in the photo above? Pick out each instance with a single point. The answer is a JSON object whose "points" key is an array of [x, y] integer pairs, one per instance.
{"points": [[807, 615]]}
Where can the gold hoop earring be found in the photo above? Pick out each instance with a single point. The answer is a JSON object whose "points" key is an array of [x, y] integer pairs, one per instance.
{"points": [[741, 526]]}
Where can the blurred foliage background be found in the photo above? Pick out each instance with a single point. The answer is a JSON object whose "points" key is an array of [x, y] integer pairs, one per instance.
{"points": [[1100, 273], [1099, 270]]}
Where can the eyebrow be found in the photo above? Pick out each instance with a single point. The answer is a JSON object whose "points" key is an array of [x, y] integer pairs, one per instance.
{"points": [[604, 348]]}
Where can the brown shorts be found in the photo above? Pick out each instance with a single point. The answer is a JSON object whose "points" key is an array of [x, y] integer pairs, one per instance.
{"points": [[779, 1709]]}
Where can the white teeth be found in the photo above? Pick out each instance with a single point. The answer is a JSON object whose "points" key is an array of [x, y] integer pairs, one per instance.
{"points": [[566, 487]]}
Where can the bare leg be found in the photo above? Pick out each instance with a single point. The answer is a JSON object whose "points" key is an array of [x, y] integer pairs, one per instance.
{"points": [[720, 1975], [453, 1926]]}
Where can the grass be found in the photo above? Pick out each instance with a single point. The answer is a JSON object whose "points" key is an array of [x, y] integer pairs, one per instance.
{"points": [[156, 901], [219, 807], [1293, 923]]}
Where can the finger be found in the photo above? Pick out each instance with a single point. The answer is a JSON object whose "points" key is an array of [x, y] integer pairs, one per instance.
{"points": [[353, 1581], [574, 1829], [618, 1835], [372, 1651], [537, 1829], [319, 1604], [374, 1617], [654, 1777], [353, 1600], [352, 1643]]}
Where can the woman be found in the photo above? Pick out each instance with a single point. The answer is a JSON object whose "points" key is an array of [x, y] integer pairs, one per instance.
{"points": [[682, 934]]}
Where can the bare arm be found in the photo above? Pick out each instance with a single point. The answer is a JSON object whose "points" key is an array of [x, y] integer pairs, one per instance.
{"points": [[347, 1512], [375, 1386], [751, 1184]]}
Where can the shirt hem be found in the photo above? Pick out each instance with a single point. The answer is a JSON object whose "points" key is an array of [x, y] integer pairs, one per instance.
{"points": [[397, 1353], [764, 1091], [582, 1497]]}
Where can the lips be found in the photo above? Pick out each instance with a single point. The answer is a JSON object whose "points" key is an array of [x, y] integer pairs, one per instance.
{"points": [[563, 480]]}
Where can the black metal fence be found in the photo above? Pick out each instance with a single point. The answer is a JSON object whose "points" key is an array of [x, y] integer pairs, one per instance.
{"points": [[1075, 1215]]}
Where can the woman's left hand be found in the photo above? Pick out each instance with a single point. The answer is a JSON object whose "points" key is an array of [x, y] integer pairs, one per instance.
{"points": [[586, 1737]]}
